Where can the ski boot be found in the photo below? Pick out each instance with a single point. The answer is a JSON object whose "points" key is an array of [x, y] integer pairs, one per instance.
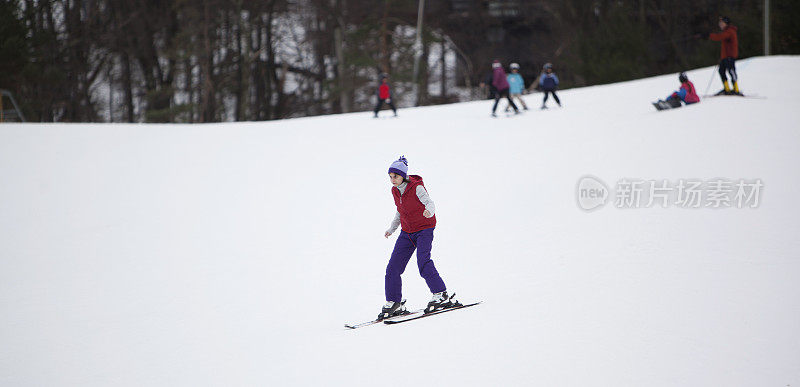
{"points": [[441, 301], [392, 309]]}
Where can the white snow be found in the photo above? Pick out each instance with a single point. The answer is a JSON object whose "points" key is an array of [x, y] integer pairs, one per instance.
{"points": [[232, 254]]}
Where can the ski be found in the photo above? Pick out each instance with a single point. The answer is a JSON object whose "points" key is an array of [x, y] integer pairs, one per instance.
{"points": [[404, 318], [367, 323], [755, 96]]}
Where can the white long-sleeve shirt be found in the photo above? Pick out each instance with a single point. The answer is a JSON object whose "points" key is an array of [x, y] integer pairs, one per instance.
{"points": [[424, 198]]}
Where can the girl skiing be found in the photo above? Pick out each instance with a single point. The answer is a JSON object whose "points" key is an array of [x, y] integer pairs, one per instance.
{"points": [[416, 216]]}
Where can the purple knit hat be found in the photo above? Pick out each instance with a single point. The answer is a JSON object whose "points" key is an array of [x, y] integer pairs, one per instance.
{"points": [[400, 167]]}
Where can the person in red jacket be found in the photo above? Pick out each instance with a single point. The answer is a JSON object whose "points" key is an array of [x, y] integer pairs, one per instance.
{"points": [[685, 93], [384, 96], [416, 216], [729, 51]]}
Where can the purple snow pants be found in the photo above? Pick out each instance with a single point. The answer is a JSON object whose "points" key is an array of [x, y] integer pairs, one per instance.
{"points": [[403, 249]]}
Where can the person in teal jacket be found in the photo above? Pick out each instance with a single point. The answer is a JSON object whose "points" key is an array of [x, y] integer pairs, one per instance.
{"points": [[516, 85]]}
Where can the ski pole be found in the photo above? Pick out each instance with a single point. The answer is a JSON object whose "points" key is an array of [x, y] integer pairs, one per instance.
{"points": [[711, 79]]}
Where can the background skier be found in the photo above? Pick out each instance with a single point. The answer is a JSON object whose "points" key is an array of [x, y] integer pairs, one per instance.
{"points": [[515, 86], [729, 51], [548, 82], [384, 95], [500, 82], [487, 82]]}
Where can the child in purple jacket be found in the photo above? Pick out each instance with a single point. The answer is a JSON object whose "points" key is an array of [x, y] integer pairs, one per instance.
{"points": [[416, 217], [500, 82]]}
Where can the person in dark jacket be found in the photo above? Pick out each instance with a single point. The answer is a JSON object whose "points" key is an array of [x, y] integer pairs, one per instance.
{"points": [[487, 82], [548, 82], [500, 82], [729, 51], [384, 96]]}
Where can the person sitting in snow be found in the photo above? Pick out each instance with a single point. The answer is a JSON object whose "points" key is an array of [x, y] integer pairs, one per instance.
{"points": [[686, 93], [416, 216], [384, 95]]}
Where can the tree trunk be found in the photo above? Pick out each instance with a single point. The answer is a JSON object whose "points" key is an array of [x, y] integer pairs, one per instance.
{"points": [[271, 76], [384, 33], [189, 88], [422, 83], [208, 107], [127, 87], [443, 63], [239, 63], [341, 67], [256, 102]]}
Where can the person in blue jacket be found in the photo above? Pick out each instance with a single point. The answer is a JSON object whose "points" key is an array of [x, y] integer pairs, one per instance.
{"points": [[516, 85], [548, 82]]}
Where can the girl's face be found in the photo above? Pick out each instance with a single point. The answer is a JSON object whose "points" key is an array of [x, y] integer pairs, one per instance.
{"points": [[395, 179]]}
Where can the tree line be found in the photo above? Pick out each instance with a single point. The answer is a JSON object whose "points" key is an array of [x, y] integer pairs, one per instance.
{"points": [[235, 60]]}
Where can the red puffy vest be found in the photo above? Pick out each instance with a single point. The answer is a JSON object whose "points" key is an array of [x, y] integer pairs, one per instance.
{"points": [[410, 208]]}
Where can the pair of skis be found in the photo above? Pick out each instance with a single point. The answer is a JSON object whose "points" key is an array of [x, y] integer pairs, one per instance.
{"points": [[756, 96], [414, 315]]}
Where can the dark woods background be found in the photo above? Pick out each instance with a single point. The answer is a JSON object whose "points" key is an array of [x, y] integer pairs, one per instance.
{"points": [[235, 60]]}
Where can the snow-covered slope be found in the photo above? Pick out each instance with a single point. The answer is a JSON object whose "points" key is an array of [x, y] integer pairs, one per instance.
{"points": [[232, 254]]}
